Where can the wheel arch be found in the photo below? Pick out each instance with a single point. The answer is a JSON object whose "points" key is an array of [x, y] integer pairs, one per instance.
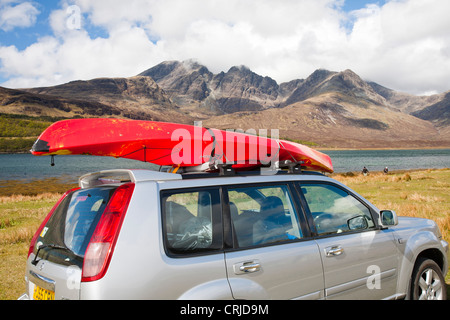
{"points": [[433, 254]]}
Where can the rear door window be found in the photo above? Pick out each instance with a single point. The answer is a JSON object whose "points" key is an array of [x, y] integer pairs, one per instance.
{"points": [[72, 225], [263, 215], [192, 221]]}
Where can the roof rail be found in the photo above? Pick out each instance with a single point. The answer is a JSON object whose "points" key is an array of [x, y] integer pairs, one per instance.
{"points": [[199, 175], [233, 173]]}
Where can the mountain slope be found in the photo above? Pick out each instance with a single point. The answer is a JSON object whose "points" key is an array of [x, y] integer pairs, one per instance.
{"points": [[438, 113], [329, 124], [134, 98], [22, 102], [348, 83], [405, 102]]}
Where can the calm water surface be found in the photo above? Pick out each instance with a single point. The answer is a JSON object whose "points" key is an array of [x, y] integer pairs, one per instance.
{"points": [[27, 166], [376, 160]]}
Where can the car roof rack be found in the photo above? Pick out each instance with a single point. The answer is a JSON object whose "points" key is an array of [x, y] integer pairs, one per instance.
{"points": [[227, 170]]}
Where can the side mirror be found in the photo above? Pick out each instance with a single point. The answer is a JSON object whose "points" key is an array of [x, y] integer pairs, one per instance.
{"points": [[358, 223], [388, 218]]}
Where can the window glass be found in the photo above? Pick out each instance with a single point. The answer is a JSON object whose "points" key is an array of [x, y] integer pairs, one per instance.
{"points": [[85, 207], [72, 224], [334, 210], [189, 218], [262, 215]]}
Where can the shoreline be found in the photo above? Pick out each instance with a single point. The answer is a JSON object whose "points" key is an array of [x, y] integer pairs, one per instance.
{"points": [[391, 172]]}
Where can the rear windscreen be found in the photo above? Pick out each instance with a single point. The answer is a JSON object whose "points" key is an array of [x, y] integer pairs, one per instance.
{"points": [[72, 224]]}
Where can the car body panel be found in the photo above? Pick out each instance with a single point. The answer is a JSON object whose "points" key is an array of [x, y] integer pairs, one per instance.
{"points": [[414, 236], [64, 281], [366, 268], [286, 271]]}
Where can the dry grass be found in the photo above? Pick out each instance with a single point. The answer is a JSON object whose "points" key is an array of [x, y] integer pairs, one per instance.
{"points": [[20, 216], [17, 188]]}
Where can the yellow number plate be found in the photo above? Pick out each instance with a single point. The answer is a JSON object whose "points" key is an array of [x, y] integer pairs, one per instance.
{"points": [[43, 294]]}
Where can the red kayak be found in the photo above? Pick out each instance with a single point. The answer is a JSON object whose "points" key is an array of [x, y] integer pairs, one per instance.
{"points": [[171, 144]]}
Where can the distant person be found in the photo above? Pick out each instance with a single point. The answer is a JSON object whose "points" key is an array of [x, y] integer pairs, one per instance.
{"points": [[386, 170], [365, 171]]}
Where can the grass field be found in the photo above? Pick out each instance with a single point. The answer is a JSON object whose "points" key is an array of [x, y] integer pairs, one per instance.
{"points": [[23, 206]]}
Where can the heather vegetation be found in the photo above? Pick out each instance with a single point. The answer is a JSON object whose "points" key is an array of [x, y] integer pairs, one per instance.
{"points": [[19, 132], [21, 126]]}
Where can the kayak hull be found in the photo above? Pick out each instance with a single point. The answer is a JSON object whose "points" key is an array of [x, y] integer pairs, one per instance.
{"points": [[171, 144]]}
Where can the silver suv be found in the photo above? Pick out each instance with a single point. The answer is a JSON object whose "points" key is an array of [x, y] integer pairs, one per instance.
{"points": [[140, 234]]}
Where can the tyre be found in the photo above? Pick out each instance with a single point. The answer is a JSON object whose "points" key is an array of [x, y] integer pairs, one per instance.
{"points": [[427, 282]]}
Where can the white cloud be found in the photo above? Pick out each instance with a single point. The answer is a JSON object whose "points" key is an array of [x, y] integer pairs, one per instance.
{"points": [[21, 15], [404, 45], [52, 61]]}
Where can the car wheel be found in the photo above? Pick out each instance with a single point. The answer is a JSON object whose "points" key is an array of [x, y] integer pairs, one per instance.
{"points": [[427, 282]]}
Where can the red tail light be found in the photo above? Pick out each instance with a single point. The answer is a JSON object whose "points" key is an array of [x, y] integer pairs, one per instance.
{"points": [[101, 246], [44, 223]]}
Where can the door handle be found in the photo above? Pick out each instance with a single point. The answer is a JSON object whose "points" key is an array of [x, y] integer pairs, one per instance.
{"points": [[334, 251], [247, 267]]}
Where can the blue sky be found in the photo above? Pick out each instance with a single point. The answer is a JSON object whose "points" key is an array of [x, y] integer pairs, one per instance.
{"points": [[23, 36], [401, 44], [350, 5]]}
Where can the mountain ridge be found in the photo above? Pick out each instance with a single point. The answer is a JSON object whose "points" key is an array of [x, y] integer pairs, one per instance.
{"points": [[333, 109]]}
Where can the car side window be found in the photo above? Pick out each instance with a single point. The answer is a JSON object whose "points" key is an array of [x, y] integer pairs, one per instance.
{"points": [[263, 215], [192, 221], [334, 210]]}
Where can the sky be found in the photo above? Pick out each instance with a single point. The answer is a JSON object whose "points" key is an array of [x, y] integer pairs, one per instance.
{"points": [[400, 44]]}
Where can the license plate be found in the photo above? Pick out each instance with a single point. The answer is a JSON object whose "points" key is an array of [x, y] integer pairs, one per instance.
{"points": [[43, 294]]}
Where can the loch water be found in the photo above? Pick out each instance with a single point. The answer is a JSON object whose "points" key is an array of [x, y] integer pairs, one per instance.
{"points": [[27, 166]]}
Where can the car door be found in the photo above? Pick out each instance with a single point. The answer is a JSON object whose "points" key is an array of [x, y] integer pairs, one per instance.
{"points": [[359, 259], [193, 243], [272, 255]]}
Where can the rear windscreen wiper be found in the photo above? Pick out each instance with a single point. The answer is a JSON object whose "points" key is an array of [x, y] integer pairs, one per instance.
{"points": [[51, 246]]}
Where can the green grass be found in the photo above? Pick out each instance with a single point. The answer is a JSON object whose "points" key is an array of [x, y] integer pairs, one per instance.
{"points": [[23, 206]]}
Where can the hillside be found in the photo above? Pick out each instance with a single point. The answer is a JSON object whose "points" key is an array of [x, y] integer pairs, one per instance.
{"points": [[132, 98], [332, 109], [329, 124]]}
